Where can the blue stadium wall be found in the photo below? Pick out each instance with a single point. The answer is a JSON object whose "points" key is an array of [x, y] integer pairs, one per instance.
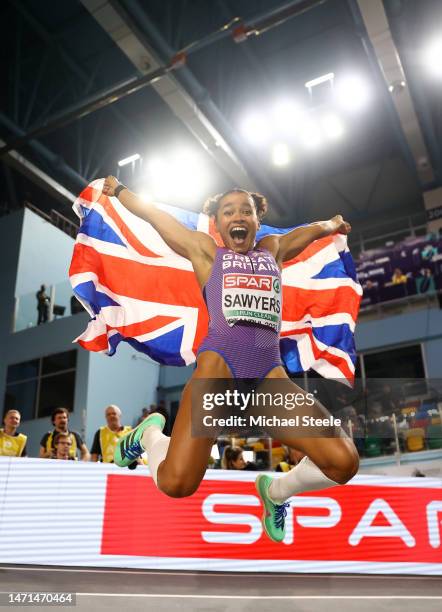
{"points": [[36, 252]]}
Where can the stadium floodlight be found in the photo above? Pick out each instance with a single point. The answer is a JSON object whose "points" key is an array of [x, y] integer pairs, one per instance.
{"points": [[255, 129], [352, 93], [332, 126], [286, 115], [319, 80], [311, 135], [129, 160], [179, 175], [280, 154], [433, 57]]}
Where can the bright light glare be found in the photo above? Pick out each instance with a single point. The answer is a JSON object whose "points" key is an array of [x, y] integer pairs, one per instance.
{"points": [[159, 177], [332, 126], [145, 196], [319, 80], [255, 128], [280, 154], [179, 176], [433, 57], [352, 93], [186, 173], [286, 115], [128, 160], [310, 135]]}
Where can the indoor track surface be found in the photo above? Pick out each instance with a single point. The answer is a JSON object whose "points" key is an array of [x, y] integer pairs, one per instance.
{"points": [[144, 590]]}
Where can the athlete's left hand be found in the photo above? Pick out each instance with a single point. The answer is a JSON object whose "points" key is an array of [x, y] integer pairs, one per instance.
{"points": [[339, 225]]}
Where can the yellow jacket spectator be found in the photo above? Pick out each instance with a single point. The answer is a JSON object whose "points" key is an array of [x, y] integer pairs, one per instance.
{"points": [[60, 420], [398, 277], [12, 443], [106, 437], [62, 446]]}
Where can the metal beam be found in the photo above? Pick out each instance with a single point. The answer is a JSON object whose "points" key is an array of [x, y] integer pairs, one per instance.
{"points": [[55, 161], [84, 108], [84, 76], [30, 170], [116, 21], [383, 50]]}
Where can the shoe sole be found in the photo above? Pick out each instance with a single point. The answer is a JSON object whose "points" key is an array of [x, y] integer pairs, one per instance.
{"points": [[264, 514]]}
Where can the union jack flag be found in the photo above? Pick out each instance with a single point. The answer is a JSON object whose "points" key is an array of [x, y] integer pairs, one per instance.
{"points": [[137, 290]]}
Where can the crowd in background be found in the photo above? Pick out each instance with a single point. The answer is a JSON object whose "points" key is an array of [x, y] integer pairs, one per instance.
{"points": [[389, 419]]}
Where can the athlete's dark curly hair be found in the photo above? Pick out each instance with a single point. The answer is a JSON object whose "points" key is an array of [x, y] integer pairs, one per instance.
{"points": [[211, 205]]}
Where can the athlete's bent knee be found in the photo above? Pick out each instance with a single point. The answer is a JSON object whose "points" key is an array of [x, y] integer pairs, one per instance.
{"points": [[177, 487], [347, 464]]}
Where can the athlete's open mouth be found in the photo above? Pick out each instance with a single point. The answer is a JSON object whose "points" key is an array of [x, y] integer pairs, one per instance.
{"points": [[238, 234]]}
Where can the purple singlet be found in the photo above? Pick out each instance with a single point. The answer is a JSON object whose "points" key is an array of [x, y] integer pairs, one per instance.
{"points": [[244, 300]]}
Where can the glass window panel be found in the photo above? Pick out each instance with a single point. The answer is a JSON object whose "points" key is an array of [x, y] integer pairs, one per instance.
{"points": [[404, 362], [21, 397], [358, 367], [58, 362], [56, 391], [22, 371]]}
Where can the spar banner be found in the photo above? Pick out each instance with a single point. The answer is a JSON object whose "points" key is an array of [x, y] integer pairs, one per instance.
{"points": [[111, 517]]}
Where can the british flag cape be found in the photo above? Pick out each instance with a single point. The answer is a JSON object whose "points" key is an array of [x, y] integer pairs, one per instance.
{"points": [[137, 290]]}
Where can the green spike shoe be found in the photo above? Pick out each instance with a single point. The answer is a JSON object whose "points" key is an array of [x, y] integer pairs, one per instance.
{"points": [[129, 448], [273, 517]]}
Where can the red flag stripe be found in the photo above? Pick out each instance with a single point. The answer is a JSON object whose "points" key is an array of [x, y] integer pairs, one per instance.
{"points": [[118, 275], [299, 302], [99, 343], [144, 327]]}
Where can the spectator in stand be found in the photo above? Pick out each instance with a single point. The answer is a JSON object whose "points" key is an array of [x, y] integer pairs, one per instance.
{"points": [[425, 281], [350, 416], [145, 413], [293, 457], [161, 409], [107, 436], [60, 420], [373, 421], [12, 443], [381, 427], [43, 302], [398, 277], [233, 459], [62, 447], [428, 252], [371, 291]]}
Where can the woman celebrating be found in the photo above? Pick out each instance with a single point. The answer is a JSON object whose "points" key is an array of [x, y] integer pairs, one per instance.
{"points": [[242, 343]]}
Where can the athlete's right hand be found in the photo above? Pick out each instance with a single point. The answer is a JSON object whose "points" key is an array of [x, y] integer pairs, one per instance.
{"points": [[110, 184]]}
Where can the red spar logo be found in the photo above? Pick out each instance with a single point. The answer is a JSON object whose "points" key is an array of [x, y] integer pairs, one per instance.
{"points": [[223, 520], [247, 281]]}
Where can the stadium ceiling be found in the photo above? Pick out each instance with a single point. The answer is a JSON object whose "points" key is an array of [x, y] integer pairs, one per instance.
{"points": [[90, 82]]}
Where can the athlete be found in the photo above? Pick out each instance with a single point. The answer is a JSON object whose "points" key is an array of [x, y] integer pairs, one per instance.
{"points": [[242, 343]]}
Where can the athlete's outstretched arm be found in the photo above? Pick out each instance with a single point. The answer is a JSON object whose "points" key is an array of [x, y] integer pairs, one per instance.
{"points": [[181, 239], [286, 246]]}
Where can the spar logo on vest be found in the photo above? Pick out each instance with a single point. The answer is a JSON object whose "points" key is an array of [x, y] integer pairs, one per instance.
{"points": [[250, 293]]}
